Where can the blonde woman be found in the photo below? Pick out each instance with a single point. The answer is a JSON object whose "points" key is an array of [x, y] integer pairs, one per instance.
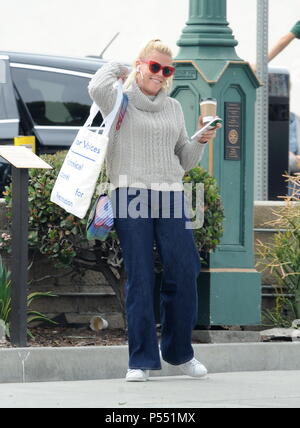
{"points": [[147, 156]]}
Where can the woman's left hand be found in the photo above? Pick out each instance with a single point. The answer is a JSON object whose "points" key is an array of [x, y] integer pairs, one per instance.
{"points": [[208, 135]]}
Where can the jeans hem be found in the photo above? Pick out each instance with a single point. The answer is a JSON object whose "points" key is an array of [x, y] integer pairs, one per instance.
{"points": [[179, 364], [143, 368]]}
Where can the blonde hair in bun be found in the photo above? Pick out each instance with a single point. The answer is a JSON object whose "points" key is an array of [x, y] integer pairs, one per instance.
{"points": [[152, 45]]}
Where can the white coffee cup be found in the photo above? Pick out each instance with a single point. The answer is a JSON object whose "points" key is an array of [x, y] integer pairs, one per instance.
{"points": [[98, 323], [208, 108]]}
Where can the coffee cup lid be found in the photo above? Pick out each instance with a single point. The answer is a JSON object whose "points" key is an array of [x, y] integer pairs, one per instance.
{"points": [[208, 99]]}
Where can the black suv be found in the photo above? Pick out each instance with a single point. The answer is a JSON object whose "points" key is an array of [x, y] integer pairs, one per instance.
{"points": [[45, 96]]}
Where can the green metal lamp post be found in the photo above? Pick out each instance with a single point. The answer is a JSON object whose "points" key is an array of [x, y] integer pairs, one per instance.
{"points": [[207, 66]]}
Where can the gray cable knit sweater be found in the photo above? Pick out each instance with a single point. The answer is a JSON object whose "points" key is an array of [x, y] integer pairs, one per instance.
{"points": [[152, 148]]}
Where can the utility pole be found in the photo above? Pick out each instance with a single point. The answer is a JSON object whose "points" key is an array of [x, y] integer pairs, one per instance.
{"points": [[262, 105]]}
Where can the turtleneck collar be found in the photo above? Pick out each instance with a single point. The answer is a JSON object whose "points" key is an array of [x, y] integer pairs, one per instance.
{"points": [[144, 102]]}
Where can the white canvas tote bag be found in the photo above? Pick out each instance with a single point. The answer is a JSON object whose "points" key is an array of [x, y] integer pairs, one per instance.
{"points": [[76, 181]]}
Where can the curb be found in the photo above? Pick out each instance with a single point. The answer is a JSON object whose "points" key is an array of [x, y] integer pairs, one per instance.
{"points": [[18, 365]]}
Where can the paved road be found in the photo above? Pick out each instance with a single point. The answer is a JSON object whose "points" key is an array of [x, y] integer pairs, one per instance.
{"points": [[277, 389]]}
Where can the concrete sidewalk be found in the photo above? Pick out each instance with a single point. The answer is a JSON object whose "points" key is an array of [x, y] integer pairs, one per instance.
{"points": [[44, 364], [221, 390], [110, 362]]}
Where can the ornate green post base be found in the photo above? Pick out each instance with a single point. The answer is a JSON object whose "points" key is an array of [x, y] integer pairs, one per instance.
{"points": [[208, 66], [229, 297]]}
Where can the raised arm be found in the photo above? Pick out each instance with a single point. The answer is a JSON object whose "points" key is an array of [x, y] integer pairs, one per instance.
{"points": [[282, 43], [101, 85]]}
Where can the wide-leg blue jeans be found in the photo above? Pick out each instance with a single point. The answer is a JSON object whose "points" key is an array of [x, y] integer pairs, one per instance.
{"points": [[139, 226]]}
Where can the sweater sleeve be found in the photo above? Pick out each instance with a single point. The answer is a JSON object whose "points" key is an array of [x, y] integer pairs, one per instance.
{"points": [[101, 86], [189, 153], [296, 30]]}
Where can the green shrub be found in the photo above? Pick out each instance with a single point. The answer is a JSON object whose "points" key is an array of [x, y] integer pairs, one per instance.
{"points": [[51, 231], [282, 258], [209, 235], [5, 294], [5, 301]]}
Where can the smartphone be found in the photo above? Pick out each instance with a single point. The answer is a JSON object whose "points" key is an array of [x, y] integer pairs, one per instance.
{"points": [[210, 125]]}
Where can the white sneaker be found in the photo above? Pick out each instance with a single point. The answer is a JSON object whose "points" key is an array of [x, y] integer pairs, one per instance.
{"points": [[137, 375], [193, 368]]}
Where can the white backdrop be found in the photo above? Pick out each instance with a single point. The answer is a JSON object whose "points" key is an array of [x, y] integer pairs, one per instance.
{"points": [[72, 27]]}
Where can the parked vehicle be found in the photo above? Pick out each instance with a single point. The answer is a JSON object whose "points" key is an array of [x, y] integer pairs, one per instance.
{"points": [[44, 96]]}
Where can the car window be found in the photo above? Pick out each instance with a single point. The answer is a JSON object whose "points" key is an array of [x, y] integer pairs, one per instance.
{"points": [[54, 98]]}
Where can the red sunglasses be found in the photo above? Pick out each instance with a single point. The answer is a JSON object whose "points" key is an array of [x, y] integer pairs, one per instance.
{"points": [[155, 67]]}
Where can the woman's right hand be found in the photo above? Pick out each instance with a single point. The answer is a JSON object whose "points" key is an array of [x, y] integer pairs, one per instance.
{"points": [[209, 134]]}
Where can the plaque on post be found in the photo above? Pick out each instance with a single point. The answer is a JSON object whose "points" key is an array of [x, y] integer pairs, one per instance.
{"points": [[232, 131], [21, 159]]}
